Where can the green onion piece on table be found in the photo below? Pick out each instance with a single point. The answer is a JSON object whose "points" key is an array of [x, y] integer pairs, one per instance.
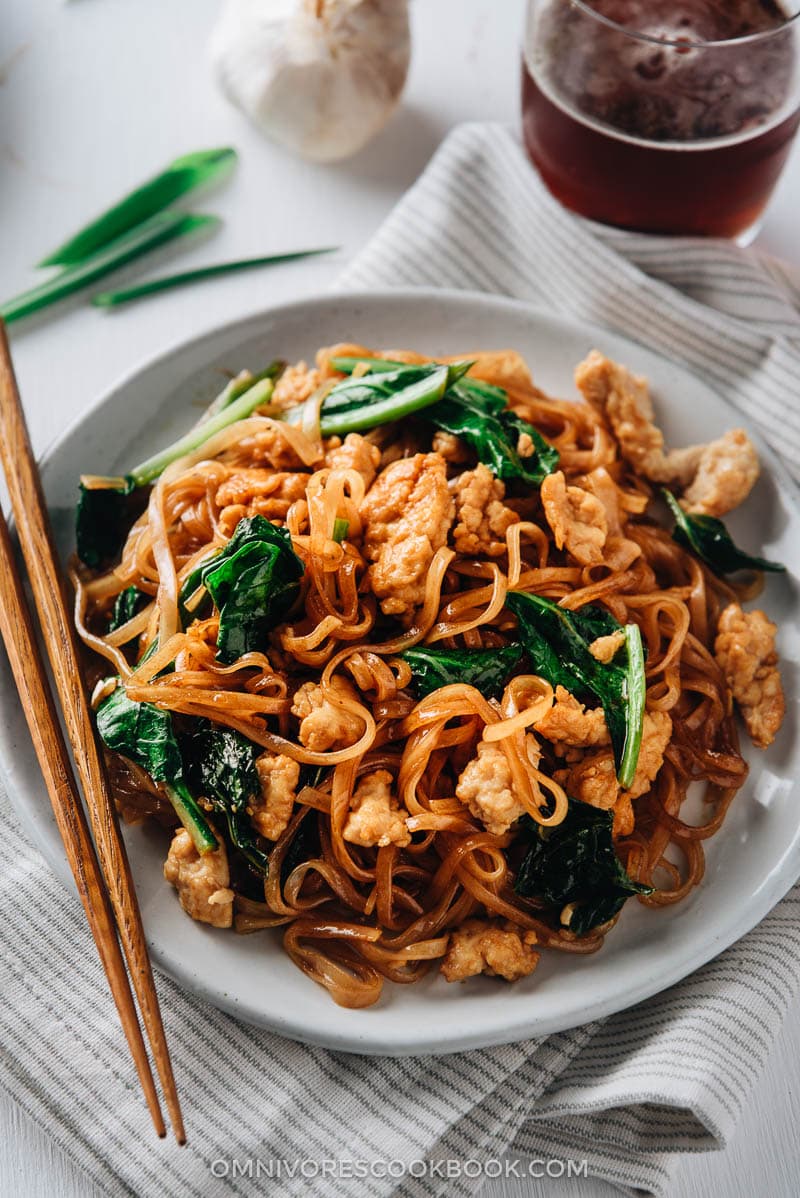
{"points": [[158, 230], [113, 299], [181, 176]]}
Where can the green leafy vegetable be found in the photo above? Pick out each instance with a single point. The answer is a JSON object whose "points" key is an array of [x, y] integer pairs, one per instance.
{"points": [[373, 399], [557, 642], [254, 581], [102, 521], [305, 844], [220, 766], [473, 411], [478, 412], [487, 670], [180, 176], [575, 862], [710, 540], [164, 227], [101, 517], [144, 734], [113, 299], [127, 603]]}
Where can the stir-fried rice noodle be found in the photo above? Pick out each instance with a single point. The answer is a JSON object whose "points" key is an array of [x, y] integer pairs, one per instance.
{"points": [[354, 914]]}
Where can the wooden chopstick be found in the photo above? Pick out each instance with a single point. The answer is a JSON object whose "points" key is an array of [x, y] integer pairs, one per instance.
{"points": [[35, 537], [27, 667]]}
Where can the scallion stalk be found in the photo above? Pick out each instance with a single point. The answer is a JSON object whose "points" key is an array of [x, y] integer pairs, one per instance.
{"points": [[181, 176], [164, 227]]}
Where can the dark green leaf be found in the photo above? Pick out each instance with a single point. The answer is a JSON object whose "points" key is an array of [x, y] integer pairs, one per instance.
{"points": [[180, 176], [557, 642], [148, 236], [575, 862], [487, 670], [471, 410], [710, 540], [127, 603], [254, 581], [220, 766], [305, 844], [144, 734], [102, 520], [113, 299]]}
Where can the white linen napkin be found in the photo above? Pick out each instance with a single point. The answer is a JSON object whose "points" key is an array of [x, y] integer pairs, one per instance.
{"points": [[625, 1094]]}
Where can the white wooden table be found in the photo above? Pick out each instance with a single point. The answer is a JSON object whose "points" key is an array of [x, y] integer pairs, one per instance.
{"points": [[96, 94]]}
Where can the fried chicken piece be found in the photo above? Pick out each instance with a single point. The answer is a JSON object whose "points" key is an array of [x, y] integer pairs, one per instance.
{"points": [[593, 780], [619, 550], [624, 818], [354, 453], [296, 385], [568, 723], [485, 786], [264, 493], [271, 811], [407, 511], [605, 648], [201, 880], [745, 651], [624, 399], [450, 447], [578, 519], [492, 946], [481, 516], [375, 817], [323, 724], [726, 473], [715, 477]]}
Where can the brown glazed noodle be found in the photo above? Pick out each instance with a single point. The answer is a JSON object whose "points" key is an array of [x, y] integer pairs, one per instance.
{"points": [[418, 804]]}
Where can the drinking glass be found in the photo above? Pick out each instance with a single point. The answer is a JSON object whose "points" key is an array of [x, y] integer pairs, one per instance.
{"points": [[667, 117]]}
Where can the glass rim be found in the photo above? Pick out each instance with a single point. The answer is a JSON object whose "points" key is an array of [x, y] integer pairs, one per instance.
{"points": [[686, 42]]}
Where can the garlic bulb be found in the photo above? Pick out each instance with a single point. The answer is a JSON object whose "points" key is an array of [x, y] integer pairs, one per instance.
{"points": [[319, 76]]}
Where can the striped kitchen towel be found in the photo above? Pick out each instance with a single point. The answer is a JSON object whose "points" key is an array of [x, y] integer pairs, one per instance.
{"points": [[626, 1094]]}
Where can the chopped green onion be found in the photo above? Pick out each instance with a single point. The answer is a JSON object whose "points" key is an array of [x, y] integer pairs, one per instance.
{"points": [[182, 175], [166, 226], [340, 529], [112, 299]]}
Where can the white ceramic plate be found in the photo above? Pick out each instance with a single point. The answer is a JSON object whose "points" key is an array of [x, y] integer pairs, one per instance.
{"points": [[751, 862]]}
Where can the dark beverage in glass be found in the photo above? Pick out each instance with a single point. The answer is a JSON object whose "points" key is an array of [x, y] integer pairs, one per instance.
{"points": [[660, 116]]}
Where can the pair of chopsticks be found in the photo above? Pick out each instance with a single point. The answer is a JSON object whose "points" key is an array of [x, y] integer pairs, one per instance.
{"points": [[103, 877]]}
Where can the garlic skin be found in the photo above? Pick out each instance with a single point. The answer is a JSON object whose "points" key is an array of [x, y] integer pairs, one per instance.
{"points": [[321, 77]]}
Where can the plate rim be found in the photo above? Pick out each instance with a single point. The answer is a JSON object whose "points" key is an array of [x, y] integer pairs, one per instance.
{"points": [[775, 885]]}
